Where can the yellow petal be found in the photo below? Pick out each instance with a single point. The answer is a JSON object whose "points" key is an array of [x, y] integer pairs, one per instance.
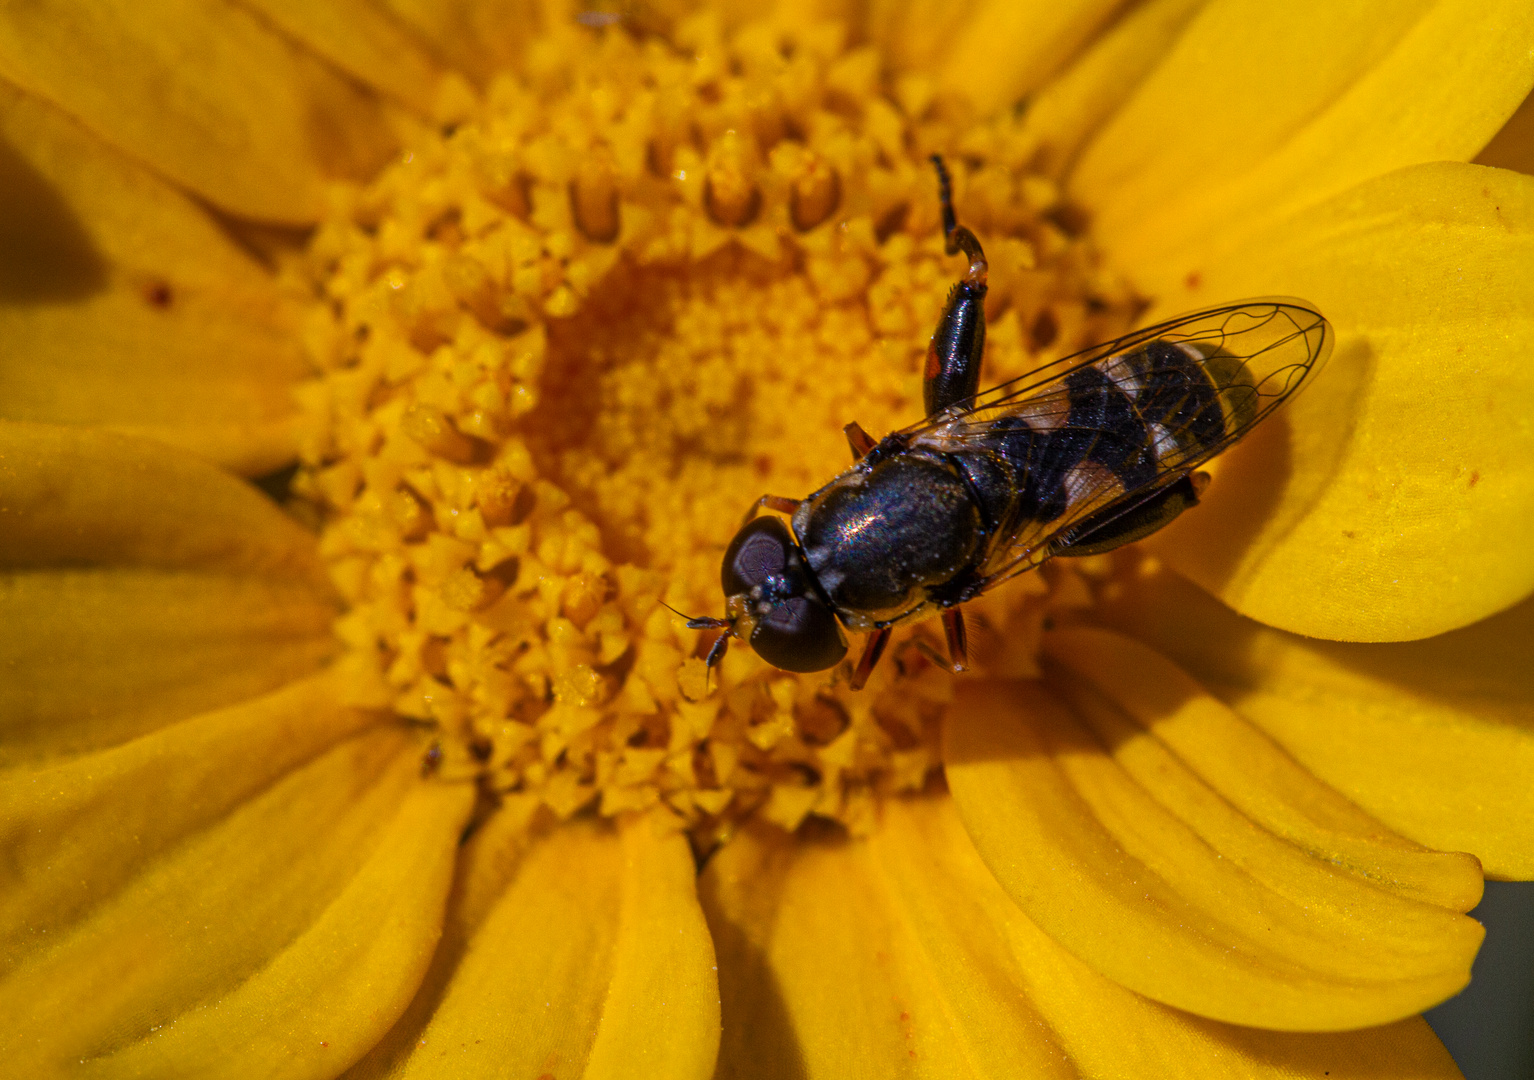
{"points": [[1263, 108], [1392, 499], [900, 956], [362, 41], [1513, 146], [72, 497], [476, 37], [288, 935], [1434, 738], [830, 967], [122, 304], [667, 958], [76, 831], [1245, 768], [207, 94], [991, 52], [139, 586], [93, 658], [580, 953], [1133, 862], [1004, 49], [1070, 108]]}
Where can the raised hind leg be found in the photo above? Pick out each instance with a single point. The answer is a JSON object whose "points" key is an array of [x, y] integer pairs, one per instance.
{"points": [[952, 373]]}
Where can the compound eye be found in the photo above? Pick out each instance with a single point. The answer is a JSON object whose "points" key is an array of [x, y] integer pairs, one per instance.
{"points": [[799, 634], [760, 551]]}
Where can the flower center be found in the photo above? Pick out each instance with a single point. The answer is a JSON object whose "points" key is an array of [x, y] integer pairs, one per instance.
{"points": [[567, 341]]}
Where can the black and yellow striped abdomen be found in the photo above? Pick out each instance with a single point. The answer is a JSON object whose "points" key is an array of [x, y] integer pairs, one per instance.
{"points": [[1126, 424]]}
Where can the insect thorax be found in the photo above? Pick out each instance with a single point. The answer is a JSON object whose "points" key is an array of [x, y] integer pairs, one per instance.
{"points": [[880, 536]]}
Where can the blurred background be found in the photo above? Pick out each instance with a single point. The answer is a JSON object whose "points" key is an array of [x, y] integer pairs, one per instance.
{"points": [[1489, 1027]]}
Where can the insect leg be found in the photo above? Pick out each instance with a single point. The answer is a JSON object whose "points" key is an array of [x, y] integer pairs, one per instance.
{"points": [[860, 441], [871, 653], [919, 643], [958, 642], [781, 503], [1115, 527], [952, 373], [708, 622], [716, 654]]}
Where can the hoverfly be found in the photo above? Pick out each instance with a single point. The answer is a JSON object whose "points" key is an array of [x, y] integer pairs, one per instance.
{"points": [[1088, 453]]}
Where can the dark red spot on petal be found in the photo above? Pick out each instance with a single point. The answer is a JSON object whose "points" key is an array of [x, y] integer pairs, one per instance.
{"points": [[1194, 279], [158, 294], [1475, 477], [1044, 330]]}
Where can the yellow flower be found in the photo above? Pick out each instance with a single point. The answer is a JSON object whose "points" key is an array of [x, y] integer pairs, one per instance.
{"points": [[429, 795]]}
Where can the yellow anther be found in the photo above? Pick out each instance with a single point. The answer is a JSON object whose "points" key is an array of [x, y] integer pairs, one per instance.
{"points": [[468, 591], [815, 193], [731, 192], [594, 197], [436, 435]]}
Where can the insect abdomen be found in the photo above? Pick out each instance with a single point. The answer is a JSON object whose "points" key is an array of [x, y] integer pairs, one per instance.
{"points": [[1130, 420], [1188, 401]]}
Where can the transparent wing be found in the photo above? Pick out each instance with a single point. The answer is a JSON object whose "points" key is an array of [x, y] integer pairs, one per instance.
{"points": [[1245, 359]]}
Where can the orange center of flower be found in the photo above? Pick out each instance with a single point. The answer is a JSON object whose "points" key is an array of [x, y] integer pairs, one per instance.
{"points": [[567, 341]]}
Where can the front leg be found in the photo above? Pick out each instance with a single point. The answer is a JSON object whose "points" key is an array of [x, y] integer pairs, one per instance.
{"points": [[952, 373], [873, 648]]}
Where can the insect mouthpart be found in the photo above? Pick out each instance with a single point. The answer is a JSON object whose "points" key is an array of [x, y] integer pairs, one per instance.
{"points": [[776, 606]]}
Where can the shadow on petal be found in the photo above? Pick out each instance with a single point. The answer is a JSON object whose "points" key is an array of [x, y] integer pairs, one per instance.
{"points": [[741, 896], [49, 256], [1513, 146], [1268, 483], [123, 304], [1422, 526]]}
